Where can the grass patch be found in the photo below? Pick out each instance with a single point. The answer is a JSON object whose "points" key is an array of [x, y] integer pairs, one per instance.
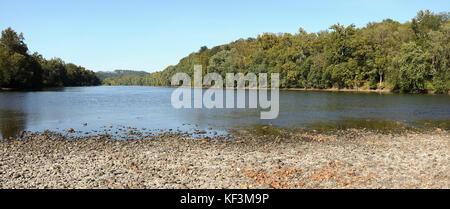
{"points": [[263, 130], [432, 124], [353, 123]]}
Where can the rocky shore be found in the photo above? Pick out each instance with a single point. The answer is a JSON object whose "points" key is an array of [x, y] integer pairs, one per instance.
{"points": [[292, 159]]}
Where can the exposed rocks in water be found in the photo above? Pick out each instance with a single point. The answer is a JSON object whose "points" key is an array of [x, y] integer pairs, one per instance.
{"points": [[295, 159]]}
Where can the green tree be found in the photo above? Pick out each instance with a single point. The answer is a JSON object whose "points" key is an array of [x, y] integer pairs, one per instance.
{"points": [[411, 56], [17, 68], [414, 68]]}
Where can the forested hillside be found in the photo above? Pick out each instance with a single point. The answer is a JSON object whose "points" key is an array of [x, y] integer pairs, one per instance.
{"points": [[411, 57], [20, 70], [119, 73]]}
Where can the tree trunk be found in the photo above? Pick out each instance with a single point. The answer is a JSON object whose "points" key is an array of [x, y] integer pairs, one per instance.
{"points": [[381, 78]]}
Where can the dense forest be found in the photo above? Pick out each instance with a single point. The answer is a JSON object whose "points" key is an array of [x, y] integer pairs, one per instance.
{"points": [[20, 70], [409, 57], [119, 73]]}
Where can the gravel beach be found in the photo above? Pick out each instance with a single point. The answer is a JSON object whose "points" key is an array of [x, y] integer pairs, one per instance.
{"points": [[296, 159]]}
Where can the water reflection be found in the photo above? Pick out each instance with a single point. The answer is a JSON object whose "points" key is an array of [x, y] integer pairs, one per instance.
{"points": [[150, 108], [12, 114], [11, 123]]}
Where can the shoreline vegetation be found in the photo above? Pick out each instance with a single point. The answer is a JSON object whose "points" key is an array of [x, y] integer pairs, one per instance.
{"points": [[381, 91], [411, 57], [21, 71], [274, 159], [364, 90]]}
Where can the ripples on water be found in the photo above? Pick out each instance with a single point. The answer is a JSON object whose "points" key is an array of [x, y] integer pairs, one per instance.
{"points": [[150, 108]]}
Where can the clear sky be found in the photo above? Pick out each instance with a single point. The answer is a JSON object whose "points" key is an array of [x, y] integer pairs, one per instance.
{"points": [[150, 35]]}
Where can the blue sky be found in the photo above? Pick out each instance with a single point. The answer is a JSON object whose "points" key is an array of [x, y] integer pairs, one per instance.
{"points": [[150, 35]]}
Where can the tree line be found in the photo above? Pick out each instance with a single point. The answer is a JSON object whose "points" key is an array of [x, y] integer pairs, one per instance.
{"points": [[119, 73], [409, 57], [20, 70]]}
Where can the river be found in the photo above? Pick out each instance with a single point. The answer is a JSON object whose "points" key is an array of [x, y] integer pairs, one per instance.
{"points": [[99, 108]]}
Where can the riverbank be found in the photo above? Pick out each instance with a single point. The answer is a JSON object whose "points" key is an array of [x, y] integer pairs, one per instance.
{"points": [[341, 90], [385, 91], [288, 159], [55, 88]]}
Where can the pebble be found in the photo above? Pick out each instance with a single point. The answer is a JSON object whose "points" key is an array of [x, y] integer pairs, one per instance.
{"points": [[347, 159]]}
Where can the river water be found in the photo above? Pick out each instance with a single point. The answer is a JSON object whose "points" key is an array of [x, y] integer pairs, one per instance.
{"points": [[150, 108]]}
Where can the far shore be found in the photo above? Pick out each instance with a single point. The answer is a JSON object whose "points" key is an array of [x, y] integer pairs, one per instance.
{"points": [[384, 91], [340, 90], [364, 90]]}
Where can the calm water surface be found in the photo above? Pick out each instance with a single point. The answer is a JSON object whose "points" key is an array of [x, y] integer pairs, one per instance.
{"points": [[150, 107]]}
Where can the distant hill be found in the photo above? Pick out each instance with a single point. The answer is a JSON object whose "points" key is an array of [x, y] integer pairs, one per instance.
{"points": [[119, 73]]}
